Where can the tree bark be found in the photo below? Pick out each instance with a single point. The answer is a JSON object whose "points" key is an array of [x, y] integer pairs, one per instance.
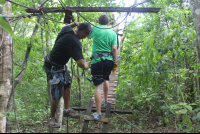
{"points": [[195, 8], [21, 74], [5, 68]]}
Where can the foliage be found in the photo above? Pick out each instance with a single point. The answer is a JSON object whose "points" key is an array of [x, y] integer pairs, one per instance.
{"points": [[157, 67]]}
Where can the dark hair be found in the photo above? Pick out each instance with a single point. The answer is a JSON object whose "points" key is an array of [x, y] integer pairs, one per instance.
{"points": [[103, 19], [85, 26]]}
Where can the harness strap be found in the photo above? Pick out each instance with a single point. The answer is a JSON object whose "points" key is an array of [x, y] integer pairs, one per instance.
{"points": [[56, 75], [53, 63], [100, 54]]}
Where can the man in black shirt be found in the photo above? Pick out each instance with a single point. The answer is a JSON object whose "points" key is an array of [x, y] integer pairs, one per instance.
{"points": [[67, 45]]}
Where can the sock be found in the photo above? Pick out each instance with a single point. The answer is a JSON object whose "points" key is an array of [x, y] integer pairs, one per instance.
{"points": [[66, 110]]}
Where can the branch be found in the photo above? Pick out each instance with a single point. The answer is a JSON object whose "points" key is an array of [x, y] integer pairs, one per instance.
{"points": [[33, 3], [17, 4], [43, 3]]}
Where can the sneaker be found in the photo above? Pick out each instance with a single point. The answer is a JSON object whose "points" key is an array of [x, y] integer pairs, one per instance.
{"points": [[104, 103], [96, 116], [71, 113], [53, 124]]}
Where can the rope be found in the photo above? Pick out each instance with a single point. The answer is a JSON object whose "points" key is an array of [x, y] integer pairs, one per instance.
{"points": [[130, 123]]}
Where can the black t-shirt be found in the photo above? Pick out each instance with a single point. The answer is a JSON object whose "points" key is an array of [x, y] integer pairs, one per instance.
{"points": [[67, 45]]}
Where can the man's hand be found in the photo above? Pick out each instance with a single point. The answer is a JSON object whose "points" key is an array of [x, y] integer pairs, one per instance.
{"points": [[77, 23], [72, 25], [87, 64], [115, 67]]}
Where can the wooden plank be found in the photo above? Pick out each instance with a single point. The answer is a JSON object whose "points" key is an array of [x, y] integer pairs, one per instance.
{"points": [[105, 124], [102, 107], [91, 118], [109, 96], [112, 84], [109, 100], [103, 110], [88, 112], [93, 9]]}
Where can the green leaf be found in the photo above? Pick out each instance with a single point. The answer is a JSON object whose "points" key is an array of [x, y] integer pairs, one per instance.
{"points": [[189, 35], [1, 115], [181, 103], [7, 8], [23, 12], [189, 107], [148, 39], [196, 110], [178, 43], [38, 122], [161, 100], [2, 2], [163, 107], [6, 26], [194, 118], [173, 106], [198, 115], [30, 20], [197, 127], [183, 111]]}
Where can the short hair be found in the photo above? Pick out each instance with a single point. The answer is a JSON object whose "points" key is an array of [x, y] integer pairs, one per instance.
{"points": [[85, 26], [103, 19]]}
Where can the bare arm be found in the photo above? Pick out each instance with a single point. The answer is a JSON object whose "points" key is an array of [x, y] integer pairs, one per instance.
{"points": [[82, 64], [74, 24], [114, 52]]}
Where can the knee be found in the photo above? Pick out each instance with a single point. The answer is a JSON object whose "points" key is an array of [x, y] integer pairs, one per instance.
{"points": [[98, 87]]}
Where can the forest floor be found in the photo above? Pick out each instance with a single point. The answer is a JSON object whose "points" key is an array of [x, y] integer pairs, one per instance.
{"points": [[116, 125]]}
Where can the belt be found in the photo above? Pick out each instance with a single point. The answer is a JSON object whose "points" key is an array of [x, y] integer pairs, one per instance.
{"points": [[100, 54], [53, 63]]}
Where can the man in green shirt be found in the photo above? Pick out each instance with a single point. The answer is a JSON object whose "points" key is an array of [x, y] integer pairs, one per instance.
{"points": [[104, 54]]}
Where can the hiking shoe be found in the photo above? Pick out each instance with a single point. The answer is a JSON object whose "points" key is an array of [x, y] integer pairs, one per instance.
{"points": [[53, 124], [104, 103], [71, 113], [96, 116]]}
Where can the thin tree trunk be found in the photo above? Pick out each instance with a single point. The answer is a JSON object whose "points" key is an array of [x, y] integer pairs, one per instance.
{"points": [[21, 74], [42, 38], [195, 8], [5, 68]]}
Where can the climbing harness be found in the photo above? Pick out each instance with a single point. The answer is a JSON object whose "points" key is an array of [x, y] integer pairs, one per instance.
{"points": [[96, 55], [58, 81], [90, 79], [100, 54]]}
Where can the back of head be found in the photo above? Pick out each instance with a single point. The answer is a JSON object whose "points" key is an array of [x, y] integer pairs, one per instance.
{"points": [[85, 26], [103, 19]]}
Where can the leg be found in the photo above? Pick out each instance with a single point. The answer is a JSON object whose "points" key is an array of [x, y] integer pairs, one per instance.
{"points": [[97, 96], [53, 107], [105, 89], [66, 97]]}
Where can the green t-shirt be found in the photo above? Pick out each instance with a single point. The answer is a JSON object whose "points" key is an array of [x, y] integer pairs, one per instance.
{"points": [[103, 39]]}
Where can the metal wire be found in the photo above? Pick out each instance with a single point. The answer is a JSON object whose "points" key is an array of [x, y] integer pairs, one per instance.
{"points": [[130, 123]]}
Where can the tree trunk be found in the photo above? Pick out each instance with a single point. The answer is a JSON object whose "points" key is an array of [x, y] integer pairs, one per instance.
{"points": [[5, 68], [59, 113], [21, 74], [195, 7]]}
